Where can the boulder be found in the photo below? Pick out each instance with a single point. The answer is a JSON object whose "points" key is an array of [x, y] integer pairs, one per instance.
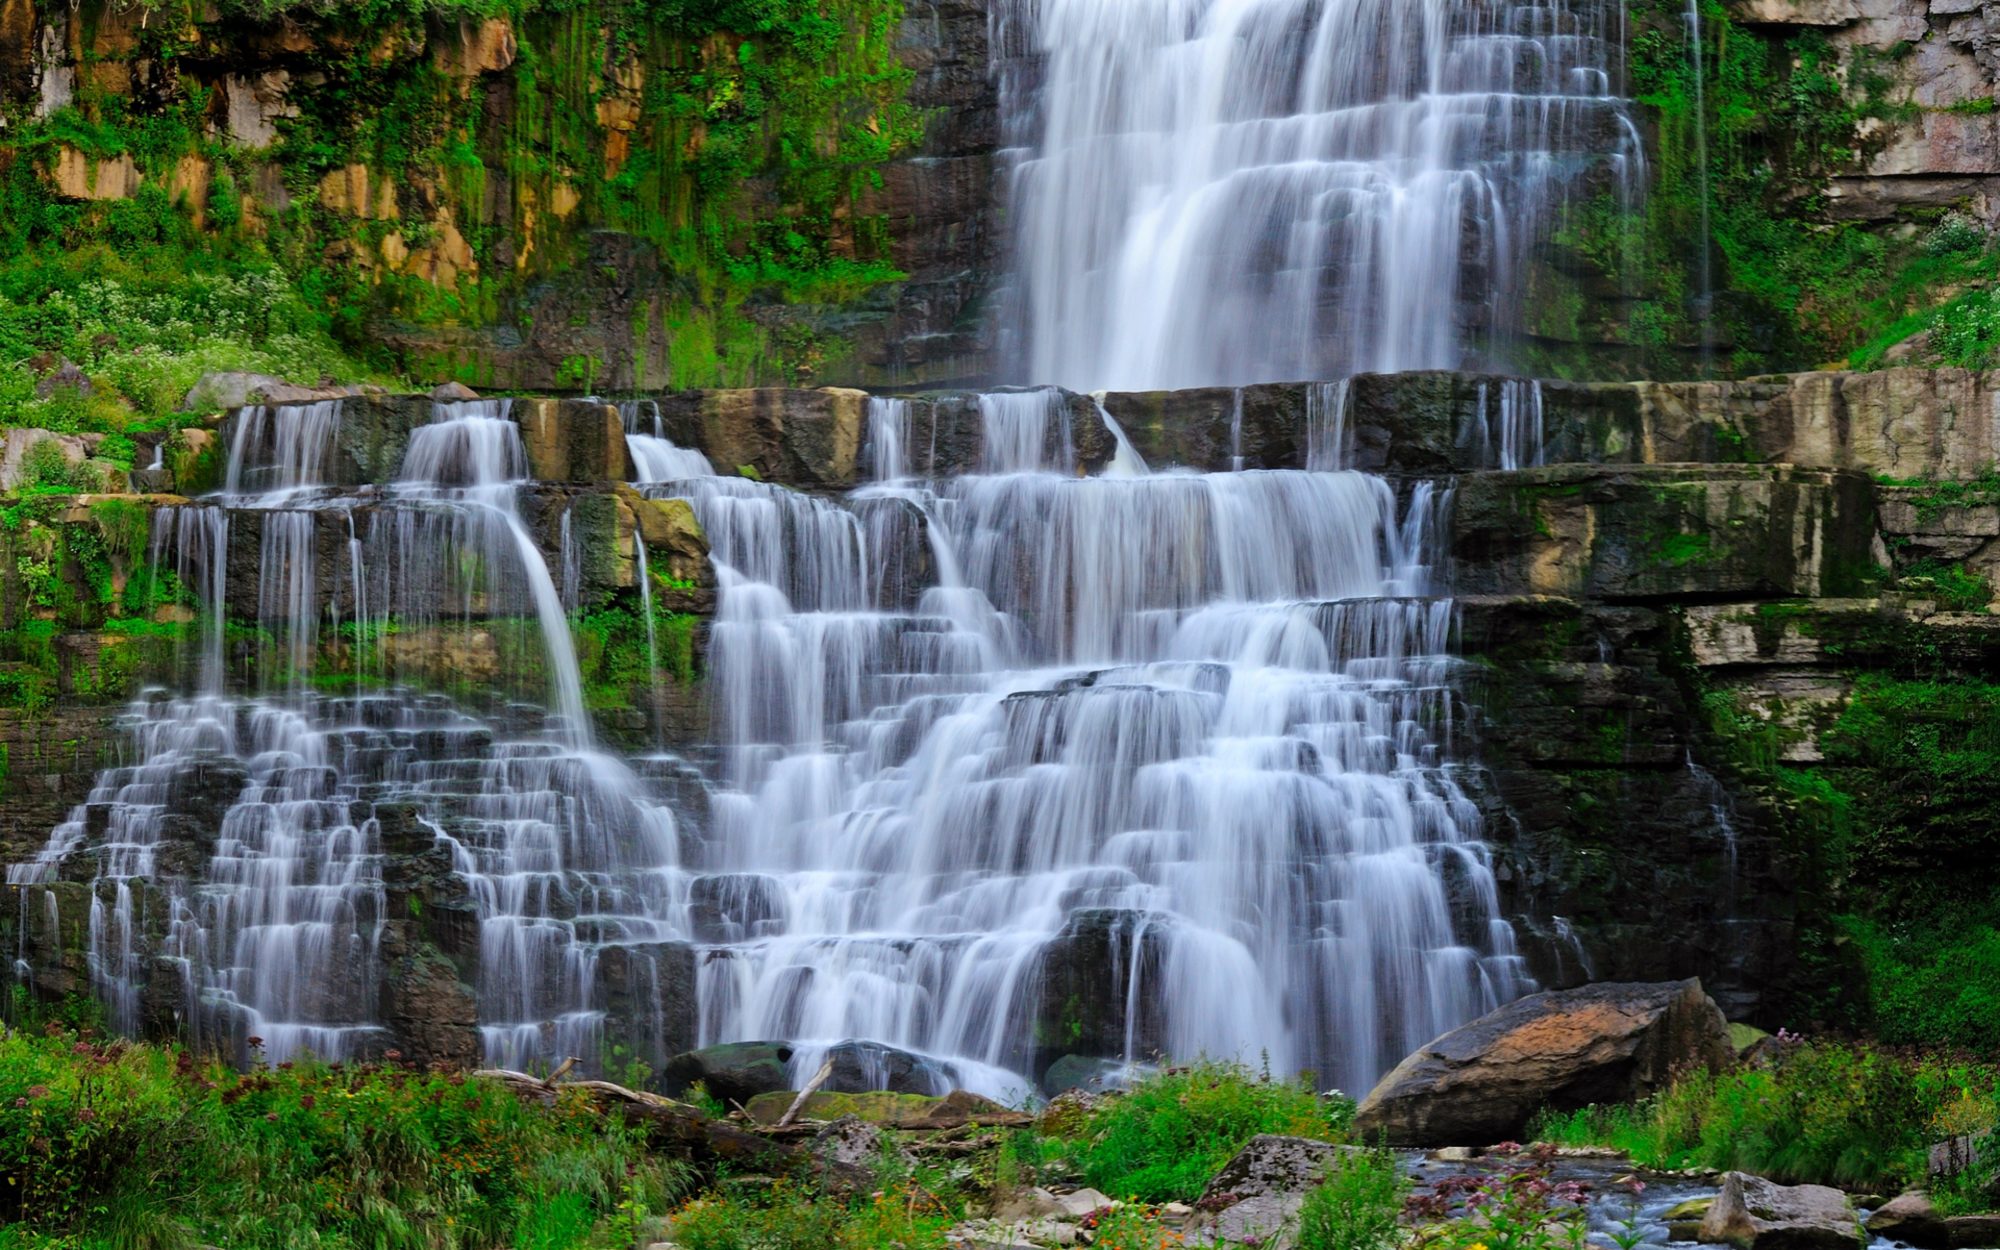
{"points": [[1910, 1218], [1752, 1213], [1972, 1232], [1270, 1164], [850, 1141], [65, 377], [1084, 973], [1610, 1042], [732, 1072], [859, 1067], [453, 392]]}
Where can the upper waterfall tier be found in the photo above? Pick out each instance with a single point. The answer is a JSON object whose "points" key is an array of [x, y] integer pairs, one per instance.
{"points": [[1219, 193]]}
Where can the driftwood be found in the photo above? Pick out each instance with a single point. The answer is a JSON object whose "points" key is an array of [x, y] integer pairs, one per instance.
{"points": [[819, 1079], [684, 1129]]}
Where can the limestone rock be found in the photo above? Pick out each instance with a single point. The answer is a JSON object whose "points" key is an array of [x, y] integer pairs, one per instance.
{"points": [[1973, 1232], [230, 390], [1795, 12], [472, 48], [571, 440], [1610, 1042], [848, 1140], [1752, 1213], [452, 392], [1083, 979], [254, 104], [78, 177], [1911, 1218], [805, 439], [65, 377]]}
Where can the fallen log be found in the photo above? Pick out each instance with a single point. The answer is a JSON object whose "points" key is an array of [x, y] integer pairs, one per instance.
{"points": [[687, 1130]]}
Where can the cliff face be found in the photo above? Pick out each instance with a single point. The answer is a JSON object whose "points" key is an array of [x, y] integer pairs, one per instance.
{"points": [[613, 195]]}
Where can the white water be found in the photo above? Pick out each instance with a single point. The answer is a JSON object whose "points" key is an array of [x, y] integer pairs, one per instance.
{"points": [[1209, 704], [1216, 192]]}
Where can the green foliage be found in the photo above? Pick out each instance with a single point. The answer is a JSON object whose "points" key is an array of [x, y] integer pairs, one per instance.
{"points": [[1824, 1113], [1957, 588], [784, 1218], [1356, 1206], [45, 466], [1161, 1141], [115, 1139]]}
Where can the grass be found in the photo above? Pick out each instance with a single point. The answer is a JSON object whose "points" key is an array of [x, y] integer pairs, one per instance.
{"points": [[1825, 1113], [1163, 1140]]}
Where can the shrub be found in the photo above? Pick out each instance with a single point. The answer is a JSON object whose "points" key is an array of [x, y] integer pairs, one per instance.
{"points": [[1161, 1141], [1826, 1113], [1356, 1207], [45, 465]]}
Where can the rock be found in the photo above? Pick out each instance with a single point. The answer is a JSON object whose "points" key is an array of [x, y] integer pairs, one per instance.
{"points": [[1752, 1213], [1683, 1219], [1030, 1203], [254, 104], [849, 1140], [571, 440], [1270, 1164], [1084, 972], [77, 177], [231, 391], [735, 906], [65, 377], [451, 392], [1080, 1072], [1973, 1232], [1610, 1042], [1081, 1202], [862, 1066], [734, 1072], [471, 48], [1912, 1218], [1264, 1221], [647, 993], [800, 438]]}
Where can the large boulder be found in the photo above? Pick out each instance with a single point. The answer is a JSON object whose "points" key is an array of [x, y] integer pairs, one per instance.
{"points": [[1752, 1213], [732, 1072], [1610, 1042], [1909, 1218], [1255, 1199], [858, 1067]]}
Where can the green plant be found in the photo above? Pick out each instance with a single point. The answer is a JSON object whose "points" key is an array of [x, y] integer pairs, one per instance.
{"points": [[1356, 1206], [1163, 1139], [1956, 587]]}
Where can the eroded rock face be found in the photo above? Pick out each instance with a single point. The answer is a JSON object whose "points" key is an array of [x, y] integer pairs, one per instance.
{"points": [[1752, 1213], [1663, 532], [1083, 978], [805, 439], [1610, 1042]]}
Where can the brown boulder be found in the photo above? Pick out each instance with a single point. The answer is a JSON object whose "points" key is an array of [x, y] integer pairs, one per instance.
{"points": [[1910, 1217], [1611, 1042], [571, 440], [805, 439], [1752, 1213]]}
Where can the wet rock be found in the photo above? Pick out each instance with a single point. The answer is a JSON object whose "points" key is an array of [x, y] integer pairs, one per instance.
{"points": [[1683, 1219], [808, 439], [453, 392], [734, 1072], [1752, 1213], [730, 907], [862, 1066], [1611, 1042], [573, 440], [1079, 1072], [1972, 1232], [1265, 1221], [1270, 1164], [1084, 973], [1911, 1218], [647, 993]]}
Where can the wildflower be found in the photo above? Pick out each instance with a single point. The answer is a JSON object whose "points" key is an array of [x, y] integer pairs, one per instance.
{"points": [[38, 1091], [20, 1102], [254, 1042]]}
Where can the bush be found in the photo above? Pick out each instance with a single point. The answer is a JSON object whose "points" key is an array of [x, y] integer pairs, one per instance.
{"points": [[787, 1218], [45, 465], [1826, 1113], [1356, 1207], [1161, 1141], [151, 1146]]}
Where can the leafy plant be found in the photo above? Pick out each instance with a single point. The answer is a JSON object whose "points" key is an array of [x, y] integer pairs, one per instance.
{"points": [[1356, 1206]]}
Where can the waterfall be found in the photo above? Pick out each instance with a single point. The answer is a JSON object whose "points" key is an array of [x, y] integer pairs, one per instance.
{"points": [[1213, 193], [1705, 296], [1201, 720]]}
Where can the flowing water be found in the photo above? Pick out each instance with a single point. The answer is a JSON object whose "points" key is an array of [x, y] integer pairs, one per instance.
{"points": [[1217, 192], [1003, 766]]}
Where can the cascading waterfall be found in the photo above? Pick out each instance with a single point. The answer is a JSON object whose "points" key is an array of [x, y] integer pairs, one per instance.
{"points": [[1209, 712], [246, 838], [1221, 193]]}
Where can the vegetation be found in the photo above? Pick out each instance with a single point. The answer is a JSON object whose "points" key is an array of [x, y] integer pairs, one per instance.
{"points": [[1746, 158], [1163, 1140], [1822, 1112], [729, 139]]}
